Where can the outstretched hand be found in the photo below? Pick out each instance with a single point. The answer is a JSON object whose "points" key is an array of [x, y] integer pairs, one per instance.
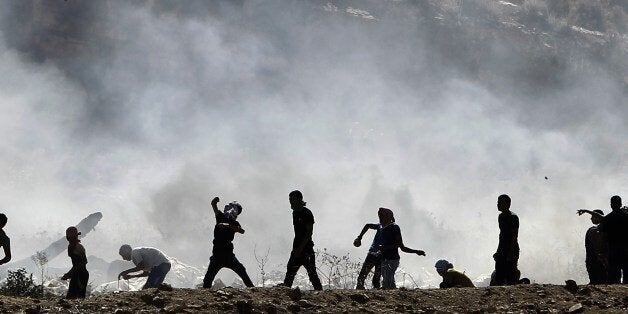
{"points": [[581, 211], [420, 253]]}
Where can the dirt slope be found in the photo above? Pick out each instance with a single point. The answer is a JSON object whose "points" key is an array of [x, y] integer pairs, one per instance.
{"points": [[523, 298]]}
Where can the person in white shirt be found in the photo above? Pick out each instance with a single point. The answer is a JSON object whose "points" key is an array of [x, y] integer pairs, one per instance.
{"points": [[150, 261]]}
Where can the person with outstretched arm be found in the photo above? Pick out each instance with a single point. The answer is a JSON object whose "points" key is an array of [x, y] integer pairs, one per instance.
{"points": [[222, 252], [5, 242], [302, 246], [615, 227], [78, 274], [150, 261], [507, 255], [392, 242], [372, 260], [596, 248]]}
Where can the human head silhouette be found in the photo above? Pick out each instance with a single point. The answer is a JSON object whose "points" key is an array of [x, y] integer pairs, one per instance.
{"points": [[615, 202], [503, 203], [71, 234], [125, 252], [386, 216], [595, 219], [296, 199]]}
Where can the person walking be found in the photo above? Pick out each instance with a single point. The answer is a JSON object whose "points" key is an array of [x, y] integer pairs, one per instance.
{"points": [[78, 274], [372, 260]]}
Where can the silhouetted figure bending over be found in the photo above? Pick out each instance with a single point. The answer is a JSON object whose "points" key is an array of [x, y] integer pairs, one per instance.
{"points": [[507, 254], [5, 242], [222, 252], [150, 261], [78, 274], [615, 227], [302, 247], [596, 248], [388, 250], [372, 259], [451, 277]]}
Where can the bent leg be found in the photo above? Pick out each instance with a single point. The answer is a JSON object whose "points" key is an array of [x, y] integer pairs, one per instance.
{"points": [[294, 263], [366, 268]]}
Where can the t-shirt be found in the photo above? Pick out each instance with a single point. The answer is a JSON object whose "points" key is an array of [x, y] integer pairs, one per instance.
{"points": [[223, 235], [615, 226], [151, 257], [301, 219], [77, 255], [455, 279], [377, 239], [508, 229], [390, 234], [596, 246]]}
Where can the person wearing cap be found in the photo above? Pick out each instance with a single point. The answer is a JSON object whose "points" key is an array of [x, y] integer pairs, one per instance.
{"points": [[302, 253], [507, 255], [615, 227], [5, 242], [222, 252], [150, 261], [78, 274], [372, 260], [596, 248], [451, 277], [389, 249]]}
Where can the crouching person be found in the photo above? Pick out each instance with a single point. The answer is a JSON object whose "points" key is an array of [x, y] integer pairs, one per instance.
{"points": [[150, 261], [78, 274], [451, 277]]}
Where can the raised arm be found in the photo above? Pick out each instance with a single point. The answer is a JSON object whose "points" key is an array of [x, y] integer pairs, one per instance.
{"points": [[215, 205], [358, 240], [586, 211]]}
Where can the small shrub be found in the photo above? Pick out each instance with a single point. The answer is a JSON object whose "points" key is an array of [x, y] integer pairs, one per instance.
{"points": [[19, 283]]}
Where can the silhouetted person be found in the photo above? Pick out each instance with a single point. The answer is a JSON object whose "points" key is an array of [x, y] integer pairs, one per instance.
{"points": [[596, 247], [389, 249], [222, 252], [150, 261], [5, 242], [507, 254], [78, 274], [302, 246], [451, 277], [372, 260], [615, 227]]}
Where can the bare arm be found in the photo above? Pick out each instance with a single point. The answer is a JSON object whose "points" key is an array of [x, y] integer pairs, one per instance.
{"points": [[125, 274]]}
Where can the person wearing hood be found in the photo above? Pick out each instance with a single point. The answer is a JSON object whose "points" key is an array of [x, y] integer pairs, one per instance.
{"points": [[78, 274], [389, 249], [451, 277], [222, 252]]}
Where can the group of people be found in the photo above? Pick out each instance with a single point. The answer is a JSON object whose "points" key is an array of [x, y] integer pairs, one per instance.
{"points": [[606, 250], [606, 244]]}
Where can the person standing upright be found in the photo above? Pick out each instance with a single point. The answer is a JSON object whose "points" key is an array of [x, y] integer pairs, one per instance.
{"points": [[507, 255], [78, 274], [596, 248], [302, 246], [615, 227]]}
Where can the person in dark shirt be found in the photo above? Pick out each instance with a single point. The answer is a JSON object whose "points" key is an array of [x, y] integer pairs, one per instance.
{"points": [[389, 249], [507, 254], [78, 274], [222, 252], [302, 246], [5, 242], [615, 227], [596, 248], [372, 258]]}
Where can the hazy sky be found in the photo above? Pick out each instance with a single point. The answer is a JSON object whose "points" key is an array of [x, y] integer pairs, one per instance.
{"points": [[145, 112]]}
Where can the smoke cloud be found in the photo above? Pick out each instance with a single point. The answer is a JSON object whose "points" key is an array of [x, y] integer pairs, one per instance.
{"points": [[146, 110]]}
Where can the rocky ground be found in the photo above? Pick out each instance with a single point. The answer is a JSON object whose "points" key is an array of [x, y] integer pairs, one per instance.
{"points": [[518, 299]]}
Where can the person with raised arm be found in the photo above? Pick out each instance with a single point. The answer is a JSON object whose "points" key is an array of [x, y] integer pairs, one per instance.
{"points": [[596, 248]]}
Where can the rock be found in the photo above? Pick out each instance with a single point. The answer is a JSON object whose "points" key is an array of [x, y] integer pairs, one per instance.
{"points": [[585, 291], [295, 294], [294, 308], [571, 286], [576, 308], [165, 287], [174, 308], [359, 297], [244, 307]]}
